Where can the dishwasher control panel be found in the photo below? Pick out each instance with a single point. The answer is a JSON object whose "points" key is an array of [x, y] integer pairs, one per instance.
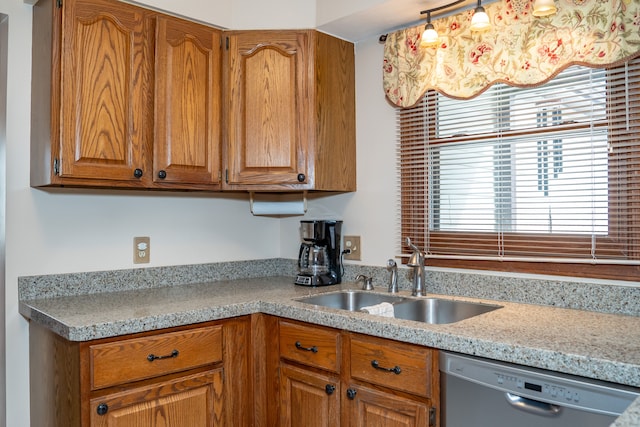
{"points": [[542, 389], [541, 385]]}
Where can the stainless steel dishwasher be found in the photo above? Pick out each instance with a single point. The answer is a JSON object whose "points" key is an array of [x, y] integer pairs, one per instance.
{"points": [[484, 393]]}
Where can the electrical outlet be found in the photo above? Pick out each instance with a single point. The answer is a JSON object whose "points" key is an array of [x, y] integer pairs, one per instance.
{"points": [[141, 250], [352, 243]]}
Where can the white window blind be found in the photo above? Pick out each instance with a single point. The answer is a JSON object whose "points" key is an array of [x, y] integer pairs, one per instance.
{"points": [[543, 174]]}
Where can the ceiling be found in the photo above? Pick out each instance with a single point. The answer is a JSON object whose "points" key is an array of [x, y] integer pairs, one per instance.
{"points": [[386, 16]]}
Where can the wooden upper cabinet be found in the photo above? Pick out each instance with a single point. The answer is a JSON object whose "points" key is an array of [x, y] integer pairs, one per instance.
{"points": [[125, 97], [104, 92], [268, 130], [291, 111], [187, 103]]}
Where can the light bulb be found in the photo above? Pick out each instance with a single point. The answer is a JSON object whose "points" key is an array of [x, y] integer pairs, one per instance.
{"points": [[544, 8], [480, 20], [429, 36]]}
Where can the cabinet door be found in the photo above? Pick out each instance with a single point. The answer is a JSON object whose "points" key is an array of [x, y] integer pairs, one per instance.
{"points": [[308, 399], [268, 107], [194, 401], [105, 91], [187, 103], [369, 407]]}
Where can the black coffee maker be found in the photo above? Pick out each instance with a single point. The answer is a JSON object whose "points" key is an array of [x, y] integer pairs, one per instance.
{"points": [[319, 257]]}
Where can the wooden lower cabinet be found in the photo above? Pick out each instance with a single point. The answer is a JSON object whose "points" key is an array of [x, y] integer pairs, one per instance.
{"points": [[307, 398], [195, 401], [370, 407], [329, 377], [249, 371], [194, 376]]}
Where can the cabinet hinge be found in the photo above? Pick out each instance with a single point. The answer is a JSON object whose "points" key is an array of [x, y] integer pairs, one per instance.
{"points": [[59, 4], [56, 167], [432, 416]]}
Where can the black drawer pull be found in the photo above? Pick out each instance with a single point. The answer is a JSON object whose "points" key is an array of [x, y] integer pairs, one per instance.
{"points": [[396, 369], [153, 357], [313, 349]]}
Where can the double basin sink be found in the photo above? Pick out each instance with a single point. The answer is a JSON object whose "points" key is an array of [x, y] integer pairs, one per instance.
{"points": [[427, 310]]}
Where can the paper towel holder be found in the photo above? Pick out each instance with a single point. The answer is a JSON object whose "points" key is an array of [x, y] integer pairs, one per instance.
{"points": [[277, 204]]}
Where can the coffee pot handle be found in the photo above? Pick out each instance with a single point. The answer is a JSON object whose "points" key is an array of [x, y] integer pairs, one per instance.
{"points": [[303, 256]]}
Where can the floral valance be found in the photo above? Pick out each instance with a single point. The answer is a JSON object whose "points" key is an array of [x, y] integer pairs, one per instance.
{"points": [[519, 49]]}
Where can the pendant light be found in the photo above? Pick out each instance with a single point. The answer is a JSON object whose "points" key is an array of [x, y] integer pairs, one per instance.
{"points": [[480, 19], [430, 35], [544, 8]]}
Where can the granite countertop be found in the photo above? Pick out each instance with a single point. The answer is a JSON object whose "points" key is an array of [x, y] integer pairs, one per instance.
{"points": [[589, 344]]}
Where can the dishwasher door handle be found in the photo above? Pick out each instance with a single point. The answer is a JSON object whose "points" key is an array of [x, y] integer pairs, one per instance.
{"points": [[533, 406]]}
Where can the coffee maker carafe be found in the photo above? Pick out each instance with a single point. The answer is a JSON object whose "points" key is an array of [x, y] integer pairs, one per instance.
{"points": [[319, 256]]}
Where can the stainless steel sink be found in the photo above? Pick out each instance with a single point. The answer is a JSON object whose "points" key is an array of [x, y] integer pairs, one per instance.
{"points": [[439, 311], [350, 300], [427, 310]]}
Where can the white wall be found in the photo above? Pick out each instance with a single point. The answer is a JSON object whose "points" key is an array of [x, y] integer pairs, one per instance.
{"points": [[4, 31], [73, 231], [371, 211], [17, 152]]}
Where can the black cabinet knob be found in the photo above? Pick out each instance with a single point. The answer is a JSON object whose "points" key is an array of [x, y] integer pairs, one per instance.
{"points": [[162, 174], [137, 173], [329, 389], [351, 393], [301, 177], [102, 409]]}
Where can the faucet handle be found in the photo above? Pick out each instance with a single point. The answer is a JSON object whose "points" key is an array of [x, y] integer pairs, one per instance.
{"points": [[367, 282], [417, 257], [411, 245]]}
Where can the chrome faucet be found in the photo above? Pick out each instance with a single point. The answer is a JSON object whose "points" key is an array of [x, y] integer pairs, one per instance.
{"points": [[416, 261], [393, 280]]}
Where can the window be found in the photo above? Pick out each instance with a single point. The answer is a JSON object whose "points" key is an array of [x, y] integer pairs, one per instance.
{"points": [[542, 180]]}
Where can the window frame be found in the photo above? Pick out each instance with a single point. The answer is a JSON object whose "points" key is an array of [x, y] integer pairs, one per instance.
{"points": [[618, 243]]}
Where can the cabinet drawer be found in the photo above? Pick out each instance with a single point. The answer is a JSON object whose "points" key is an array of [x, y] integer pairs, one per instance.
{"points": [[140, 358], [310, 345], [392, 364]]}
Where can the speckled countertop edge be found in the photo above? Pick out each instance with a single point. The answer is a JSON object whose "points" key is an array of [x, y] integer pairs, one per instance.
{"points": [[596, 345], [630, 417]]}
